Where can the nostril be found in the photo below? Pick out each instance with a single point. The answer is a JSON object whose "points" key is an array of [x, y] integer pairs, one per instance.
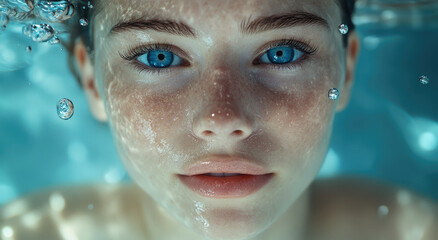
{"points": [[238, 133], [208, 133]]}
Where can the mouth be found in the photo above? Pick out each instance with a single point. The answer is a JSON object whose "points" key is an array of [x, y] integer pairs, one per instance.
{"points": [[222, 174], [225, 177], [225, 185]]}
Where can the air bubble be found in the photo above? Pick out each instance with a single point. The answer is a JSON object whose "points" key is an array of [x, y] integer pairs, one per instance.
{"points": [[65, 108], [382, 211], [54, 11], [28, 49], [18, 9], [424, 80], [20, 5], [12, 13], [343, 29], [4, 19], [83, 22], [41, 32], [27, 30], [3, 27], [90, 5], [5, 10], [333, 94], [54, 40]]}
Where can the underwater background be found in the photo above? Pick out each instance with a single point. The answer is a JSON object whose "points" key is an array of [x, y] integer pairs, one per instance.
{"points": [[389, 131]]}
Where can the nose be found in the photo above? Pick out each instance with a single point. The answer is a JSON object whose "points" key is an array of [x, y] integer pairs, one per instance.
{"points": [[223, 120]]}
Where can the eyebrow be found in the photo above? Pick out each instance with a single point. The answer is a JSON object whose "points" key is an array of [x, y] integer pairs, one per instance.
{"points": [[260, 24]]}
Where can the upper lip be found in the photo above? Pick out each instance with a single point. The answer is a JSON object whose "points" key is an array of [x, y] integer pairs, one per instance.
{"points": [[222, 164]]}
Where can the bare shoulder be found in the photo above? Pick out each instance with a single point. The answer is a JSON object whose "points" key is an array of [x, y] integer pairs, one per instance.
{"points": [[98, 211], [353, 208]]}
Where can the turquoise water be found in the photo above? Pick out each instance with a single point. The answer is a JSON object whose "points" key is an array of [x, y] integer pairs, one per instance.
{"points": [[389, 131]]}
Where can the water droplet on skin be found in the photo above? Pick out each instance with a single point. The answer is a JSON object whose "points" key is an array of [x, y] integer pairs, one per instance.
{"points": [[382, 211], [343, 29], [333, 94], [4, 19], [54, 11], [27, 30], [424, 80], [54, 40], [41, 32], [83, 22], [65, 108], [28, 49]]}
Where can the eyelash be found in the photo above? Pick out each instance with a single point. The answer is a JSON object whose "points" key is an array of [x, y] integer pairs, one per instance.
{"points": [[135, 52], [302, 46]]}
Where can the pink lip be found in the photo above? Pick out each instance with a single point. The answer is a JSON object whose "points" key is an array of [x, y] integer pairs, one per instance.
{"points": [[252, 177], [225, 187], [225, 165]]}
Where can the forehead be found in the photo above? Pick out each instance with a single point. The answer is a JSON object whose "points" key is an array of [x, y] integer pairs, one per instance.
{"points": [[206, 15]]}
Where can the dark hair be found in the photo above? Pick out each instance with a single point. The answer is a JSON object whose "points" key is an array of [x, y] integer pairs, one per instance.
{"points": [[85, 33], [347, 9]]}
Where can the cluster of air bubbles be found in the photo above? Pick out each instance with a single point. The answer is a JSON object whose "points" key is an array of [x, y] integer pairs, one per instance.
{"points": [[17, 9], [424, 80], [333, 94], [54, 40], [49, 11], [65, 108], [4, 19], [54, 11], [343, 29], [41, 32], [83, 22], [90, 5]]}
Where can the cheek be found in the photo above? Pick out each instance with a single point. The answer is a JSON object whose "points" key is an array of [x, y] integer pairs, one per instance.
{"points": [[299, 112], [300, 119], [143, 123]]}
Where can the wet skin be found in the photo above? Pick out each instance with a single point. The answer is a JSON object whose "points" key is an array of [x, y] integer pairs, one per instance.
{"points": [[219, 102]]}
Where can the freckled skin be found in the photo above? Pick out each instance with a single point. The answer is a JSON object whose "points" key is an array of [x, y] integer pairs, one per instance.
{"points": [[158, 120]]}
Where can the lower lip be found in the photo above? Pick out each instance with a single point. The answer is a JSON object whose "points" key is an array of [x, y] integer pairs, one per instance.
{"points": [[226, 187]]}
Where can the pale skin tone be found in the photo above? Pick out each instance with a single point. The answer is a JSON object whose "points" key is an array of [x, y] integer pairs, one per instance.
{"points": [[221, 103]]}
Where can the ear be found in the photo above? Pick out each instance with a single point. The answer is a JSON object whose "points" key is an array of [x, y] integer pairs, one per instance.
{"points": [[88, 81], [351, 60]]}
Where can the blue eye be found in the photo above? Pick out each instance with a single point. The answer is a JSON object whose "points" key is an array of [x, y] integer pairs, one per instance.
{"points": [[159, 58], [281, 55]]}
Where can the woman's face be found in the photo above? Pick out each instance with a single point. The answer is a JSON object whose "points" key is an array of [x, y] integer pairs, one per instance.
{"points": [[221, 95]]}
